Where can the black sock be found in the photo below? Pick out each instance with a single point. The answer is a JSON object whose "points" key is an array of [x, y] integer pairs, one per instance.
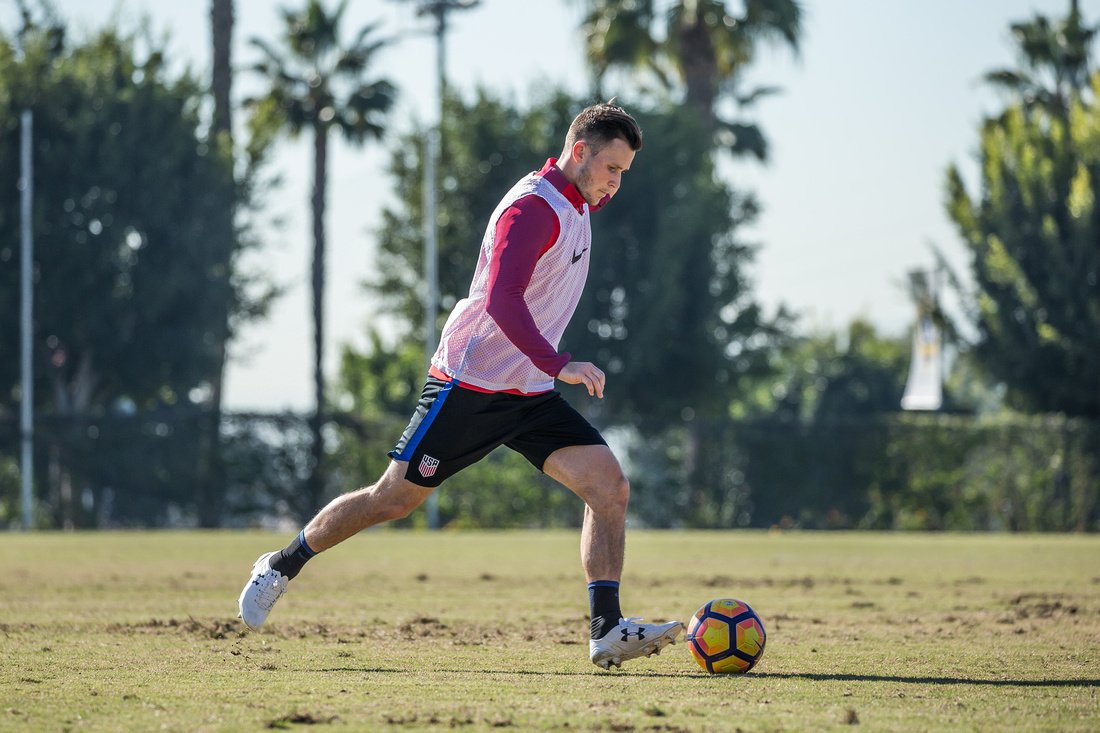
{"points": [[603, 601], [289, 560]]}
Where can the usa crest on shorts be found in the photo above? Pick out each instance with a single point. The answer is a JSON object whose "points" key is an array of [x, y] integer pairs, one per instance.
{"points": [[428, 465]]}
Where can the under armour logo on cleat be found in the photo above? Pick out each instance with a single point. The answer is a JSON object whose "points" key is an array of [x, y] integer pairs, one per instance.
{"points": [[639, 633]]}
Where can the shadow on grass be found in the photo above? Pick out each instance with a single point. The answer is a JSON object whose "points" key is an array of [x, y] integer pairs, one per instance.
{"points": [[505, 672], [816, 677]]}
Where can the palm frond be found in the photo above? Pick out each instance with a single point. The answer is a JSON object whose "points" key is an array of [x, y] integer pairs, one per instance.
{"points": [[305, 80], [1008, 79], [362, 116], [742, 139], [619, 33], [269, 53], [312, 32], [747, 100], [1058, 51], [355, 59], [775, 20]]}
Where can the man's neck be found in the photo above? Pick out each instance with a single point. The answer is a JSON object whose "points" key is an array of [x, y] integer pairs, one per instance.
{"points": [[567, 167]]}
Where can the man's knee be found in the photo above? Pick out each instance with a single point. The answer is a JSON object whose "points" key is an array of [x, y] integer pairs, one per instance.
{"points": [[622, 491], [613, 495], [396, 499]]}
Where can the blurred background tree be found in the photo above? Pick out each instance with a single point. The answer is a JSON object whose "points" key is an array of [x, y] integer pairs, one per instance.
{"points": [[317, 84], [136, 256], [668, 310], [665, 267], [211, 479], [723, 416], [1033, 228], [828, 375], [695, 48], [490, 145], [666, 264], [1055, 62]]}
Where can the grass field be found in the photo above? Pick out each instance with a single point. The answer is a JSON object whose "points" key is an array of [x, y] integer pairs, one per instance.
{"points": [[402, 631]]}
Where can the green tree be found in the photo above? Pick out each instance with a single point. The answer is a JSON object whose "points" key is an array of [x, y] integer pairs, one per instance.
{"points": [[830, 375], [697, 46], [317, 84], [221, 76], [135, 257], [680, 280], [211, 481], [665, 262], [1054, 62], [1033, 232], [668, 309], [377, 392], [490, 145], [800, 442]]}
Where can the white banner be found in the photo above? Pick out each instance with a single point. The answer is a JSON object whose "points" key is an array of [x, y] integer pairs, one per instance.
{"points": [[924, 389]]}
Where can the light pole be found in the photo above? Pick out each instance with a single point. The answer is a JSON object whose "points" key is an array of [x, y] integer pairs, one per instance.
{"points": [[437, 9], [27, 320]]}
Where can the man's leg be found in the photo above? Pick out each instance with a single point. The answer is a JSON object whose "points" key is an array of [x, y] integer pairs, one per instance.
{"points": [[391, 497], [593, 473]]}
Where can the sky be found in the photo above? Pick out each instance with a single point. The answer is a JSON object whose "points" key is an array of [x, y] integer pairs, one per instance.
{"points": [[883, 96]]}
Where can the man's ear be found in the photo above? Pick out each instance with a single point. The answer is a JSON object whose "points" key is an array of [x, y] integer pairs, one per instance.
{"points": [[579, 151]]}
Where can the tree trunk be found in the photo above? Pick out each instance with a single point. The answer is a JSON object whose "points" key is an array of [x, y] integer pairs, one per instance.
{"points": [[211, 474], [700, 69], [316, 484], [221, 26], [73, 398]]}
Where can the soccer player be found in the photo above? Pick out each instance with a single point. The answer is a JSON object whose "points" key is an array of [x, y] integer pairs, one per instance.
{"points": [[491, 382]]}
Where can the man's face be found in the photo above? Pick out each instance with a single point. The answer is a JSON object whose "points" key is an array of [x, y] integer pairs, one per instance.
{"points": [[601, 174]]}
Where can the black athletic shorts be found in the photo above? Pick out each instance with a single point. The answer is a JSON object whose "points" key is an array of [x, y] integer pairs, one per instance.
{"points": [[454, 427]]}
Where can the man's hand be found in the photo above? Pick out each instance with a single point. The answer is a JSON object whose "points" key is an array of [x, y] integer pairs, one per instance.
{"points": [[586, 373]]}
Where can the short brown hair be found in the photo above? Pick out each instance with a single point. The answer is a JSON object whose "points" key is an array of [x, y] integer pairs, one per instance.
{"points": [[601, 123]]}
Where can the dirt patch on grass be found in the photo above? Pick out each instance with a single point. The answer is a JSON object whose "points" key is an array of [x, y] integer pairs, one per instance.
{"points": [[1042, 606], [9, 629], [300, 719], [571, 630], [726, 581], [566, 631], [213, 629]]}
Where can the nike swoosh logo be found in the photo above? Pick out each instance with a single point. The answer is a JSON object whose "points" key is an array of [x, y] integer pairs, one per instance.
{"points": [[577, 256]]}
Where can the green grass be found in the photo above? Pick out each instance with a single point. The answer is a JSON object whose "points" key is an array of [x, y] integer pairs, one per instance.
{"points": [[402, 631]]}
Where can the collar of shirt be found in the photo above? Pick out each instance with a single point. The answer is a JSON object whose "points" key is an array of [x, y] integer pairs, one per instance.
{"points": [[553, 174]]}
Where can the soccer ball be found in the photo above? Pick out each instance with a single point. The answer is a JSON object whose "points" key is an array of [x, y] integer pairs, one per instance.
{"points": [[725, 636]]}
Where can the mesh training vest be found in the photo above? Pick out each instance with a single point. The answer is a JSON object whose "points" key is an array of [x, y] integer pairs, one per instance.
{"points": [[472, 349]]}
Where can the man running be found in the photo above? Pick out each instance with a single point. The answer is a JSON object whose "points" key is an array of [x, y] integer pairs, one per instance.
{"points": [[491, 383]]}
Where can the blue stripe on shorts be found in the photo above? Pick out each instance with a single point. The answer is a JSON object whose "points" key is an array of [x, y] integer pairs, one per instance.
{"points": [[421, 429]]}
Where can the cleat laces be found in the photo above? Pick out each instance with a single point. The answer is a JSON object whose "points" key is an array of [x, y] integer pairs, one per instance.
{"points": [[271, 588]]}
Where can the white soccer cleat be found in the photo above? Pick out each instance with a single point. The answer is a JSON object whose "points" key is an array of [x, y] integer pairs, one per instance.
{"points": [[260, 592], [630, 640]]}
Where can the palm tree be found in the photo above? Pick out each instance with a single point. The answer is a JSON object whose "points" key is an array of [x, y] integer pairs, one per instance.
{"points": [[221, 82], [316, 84], [1055, 62], [211, 483], [698, 46]]}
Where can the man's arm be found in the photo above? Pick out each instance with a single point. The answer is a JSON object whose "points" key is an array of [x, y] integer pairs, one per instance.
{"points": [[524, 232]]}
